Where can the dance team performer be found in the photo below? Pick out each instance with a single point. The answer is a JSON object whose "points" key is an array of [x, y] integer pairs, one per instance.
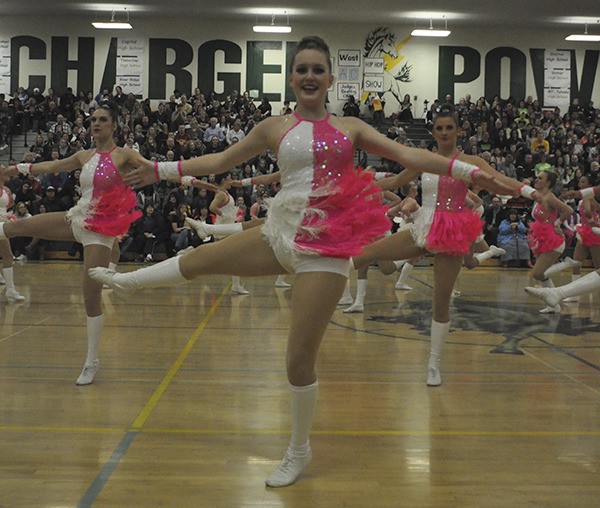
{"points": [[312, 228], [589, 241], [444, 226], [6, 203], [105, 210], [546, 238], [480, 250]]}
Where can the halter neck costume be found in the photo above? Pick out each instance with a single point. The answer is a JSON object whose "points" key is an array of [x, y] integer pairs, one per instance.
{"points": [[325, 206], [445, 223], [107, 206]]}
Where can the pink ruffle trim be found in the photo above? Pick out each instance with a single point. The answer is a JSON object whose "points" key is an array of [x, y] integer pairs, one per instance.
{"points": [[543, 238], [340, 224], [588, 237], [114, 213], [453, 232]]}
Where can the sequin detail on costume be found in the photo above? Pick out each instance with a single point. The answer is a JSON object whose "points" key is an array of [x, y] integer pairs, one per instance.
{"points": [[107, 206], [542, 236], [325, 206], [584, 231], [444, 223]]}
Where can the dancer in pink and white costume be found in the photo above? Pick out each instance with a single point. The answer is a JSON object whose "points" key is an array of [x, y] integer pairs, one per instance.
{"points": [[446, 226], [6, 203], [311, 228], [546, 239], [588, 240], [106, 210]]}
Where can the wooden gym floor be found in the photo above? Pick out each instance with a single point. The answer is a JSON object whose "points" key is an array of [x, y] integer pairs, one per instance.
{"points": [[190, 406]]}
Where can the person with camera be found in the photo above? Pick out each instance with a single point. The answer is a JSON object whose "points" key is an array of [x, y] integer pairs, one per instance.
{"points": [[512, 237]]}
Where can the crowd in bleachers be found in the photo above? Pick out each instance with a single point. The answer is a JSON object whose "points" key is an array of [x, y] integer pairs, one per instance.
{"points": [[518, 138]]}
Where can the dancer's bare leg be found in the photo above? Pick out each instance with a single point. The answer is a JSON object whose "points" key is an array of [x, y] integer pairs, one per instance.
{"points": [[304, 339], [52, 226], [314, 298], [49, 226], [400, 245]]}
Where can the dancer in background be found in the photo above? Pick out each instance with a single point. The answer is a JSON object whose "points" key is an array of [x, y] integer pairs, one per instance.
{"points": [[221, 230], [8, 278], [444, 226], [325, 213], [480, 250], [546, 238], [105, 211], [588, 242]]}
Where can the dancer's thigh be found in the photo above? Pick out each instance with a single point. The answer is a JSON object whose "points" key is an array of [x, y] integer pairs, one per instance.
{"points": [[400, 245], [49, 226], [245, 254]]}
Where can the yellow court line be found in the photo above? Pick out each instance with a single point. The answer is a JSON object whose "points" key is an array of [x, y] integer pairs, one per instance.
{"points": [[349, 432], [148, 408]]}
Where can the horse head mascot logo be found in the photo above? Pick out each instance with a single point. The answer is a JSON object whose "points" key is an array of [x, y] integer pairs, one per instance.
{"points": [[381, 43]]}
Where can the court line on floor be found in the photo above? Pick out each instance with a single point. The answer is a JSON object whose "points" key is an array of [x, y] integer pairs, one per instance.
{"points": [[120, 450], [111, 465]]}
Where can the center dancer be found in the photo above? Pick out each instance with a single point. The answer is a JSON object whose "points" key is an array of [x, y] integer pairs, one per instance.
{"points": [[325, 213]]}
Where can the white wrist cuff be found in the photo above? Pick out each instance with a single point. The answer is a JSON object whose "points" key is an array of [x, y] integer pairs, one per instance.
{"points": [[169, 171], [24, 168], [462, 170], [188, 180], [526, 191]]}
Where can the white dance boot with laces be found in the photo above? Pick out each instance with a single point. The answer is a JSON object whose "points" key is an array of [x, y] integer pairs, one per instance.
{"points": [[289, 469], [88, 373]]}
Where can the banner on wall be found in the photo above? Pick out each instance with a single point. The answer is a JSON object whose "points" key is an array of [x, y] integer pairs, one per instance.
{"points": [[5, 66], [130, 65], [557, 79]]}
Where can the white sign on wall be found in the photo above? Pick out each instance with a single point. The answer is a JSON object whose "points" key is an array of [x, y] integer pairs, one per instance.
{"points": [[349, 57], [374, 66], [348, 74], [557, 79], [373, 83], [130, 65], [345, 90], [5, 66]]}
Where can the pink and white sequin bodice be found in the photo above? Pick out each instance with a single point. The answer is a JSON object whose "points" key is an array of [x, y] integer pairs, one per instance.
{"points": [[325, 206], [542, 236], [445, 223], [6, 202], [107, 205], [585, 234], [542, 214]]}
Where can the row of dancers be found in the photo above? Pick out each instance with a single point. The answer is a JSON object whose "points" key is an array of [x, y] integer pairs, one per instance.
{"points": [[327, 218]]}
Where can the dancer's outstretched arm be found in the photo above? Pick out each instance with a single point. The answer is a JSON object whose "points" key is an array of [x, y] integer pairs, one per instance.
{"points": [[257, 180], [260, 138], [418, 160]]}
